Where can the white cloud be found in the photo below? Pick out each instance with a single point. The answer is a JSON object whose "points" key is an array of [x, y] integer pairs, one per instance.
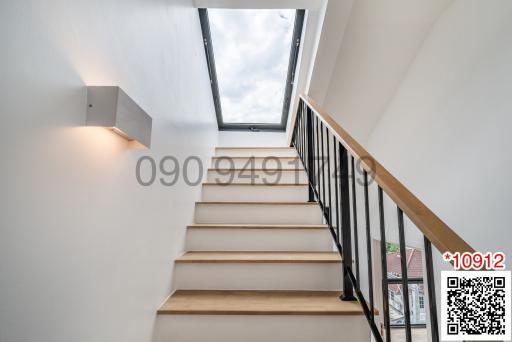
{"points": [[251, 49]]}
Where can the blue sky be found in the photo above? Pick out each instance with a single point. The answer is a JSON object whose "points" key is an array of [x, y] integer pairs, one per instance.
{"points": [[252, 49]]}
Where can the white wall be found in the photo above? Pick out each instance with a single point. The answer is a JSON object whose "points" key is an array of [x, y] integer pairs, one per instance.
{"points": [[379, 42], [425, 86], [85, 251], [446, 133], [444, 130], [334, 17]]}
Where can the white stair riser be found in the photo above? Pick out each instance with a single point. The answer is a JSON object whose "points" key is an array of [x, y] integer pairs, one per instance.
{"points": [[246, 239], [255, 193], [257, 328], [256, 163], [258, 213], [257, 177], [257, 276], [274, 152]]}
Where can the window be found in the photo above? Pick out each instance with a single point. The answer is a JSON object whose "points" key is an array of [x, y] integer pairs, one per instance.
{"points": [[415, 286], [252, 56]]}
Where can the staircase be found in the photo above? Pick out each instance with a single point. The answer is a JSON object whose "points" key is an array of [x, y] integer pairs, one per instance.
{"points": [[259, 262]]}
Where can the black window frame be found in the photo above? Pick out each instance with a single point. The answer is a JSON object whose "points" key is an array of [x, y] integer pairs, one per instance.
{"points": [[410, 281], [292, 66]]}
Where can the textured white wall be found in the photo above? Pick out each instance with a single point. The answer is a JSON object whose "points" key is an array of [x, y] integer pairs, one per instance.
{"points": [[85, 251]]}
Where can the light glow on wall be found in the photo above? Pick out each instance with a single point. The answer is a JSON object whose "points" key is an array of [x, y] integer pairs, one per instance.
{"points": [[111, 107]]}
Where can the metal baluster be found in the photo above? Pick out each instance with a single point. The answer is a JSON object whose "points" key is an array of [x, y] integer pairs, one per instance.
{"points": [[313, 178], [348, 291], [368, 245], [329, 176], [301, 136], [310, 149], [432, 305], [317, 175], [336, 175], [298, 133], [405, 285], [304, 138], [294, 135], [354, 217], [294, 138], [323, 168], [384, 266]]}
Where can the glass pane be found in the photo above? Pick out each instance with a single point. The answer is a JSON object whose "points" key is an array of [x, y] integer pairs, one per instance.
{"points": [[416, 304], [252, 51], [414, 262]]}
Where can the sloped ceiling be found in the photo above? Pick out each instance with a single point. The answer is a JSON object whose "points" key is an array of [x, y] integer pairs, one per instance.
{"points": [[373, 51]]}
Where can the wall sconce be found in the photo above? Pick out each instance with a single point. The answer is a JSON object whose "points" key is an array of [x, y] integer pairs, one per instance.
{"points": [[111, 107]]}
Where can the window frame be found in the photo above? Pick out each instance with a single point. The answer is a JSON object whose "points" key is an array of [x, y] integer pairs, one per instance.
{"points": [[292, 67], [410, 281]]}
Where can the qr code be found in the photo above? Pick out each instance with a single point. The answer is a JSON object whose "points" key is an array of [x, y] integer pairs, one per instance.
{"points": [[475, 304]]}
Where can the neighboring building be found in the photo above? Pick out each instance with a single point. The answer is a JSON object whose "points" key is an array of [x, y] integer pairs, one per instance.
{"points": [[416, 289]]}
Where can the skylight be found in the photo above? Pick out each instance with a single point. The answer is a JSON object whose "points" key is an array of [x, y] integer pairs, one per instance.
{"points": [[249, 63]]}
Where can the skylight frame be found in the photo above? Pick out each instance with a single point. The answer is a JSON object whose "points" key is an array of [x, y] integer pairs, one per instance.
{"points": [[292, 66]]}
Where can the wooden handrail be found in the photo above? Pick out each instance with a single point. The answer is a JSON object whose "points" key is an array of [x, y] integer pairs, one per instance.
{"points": [[441, 236]]}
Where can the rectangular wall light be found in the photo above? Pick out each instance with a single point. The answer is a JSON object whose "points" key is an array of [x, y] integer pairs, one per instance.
{"points": [[111, 107]]}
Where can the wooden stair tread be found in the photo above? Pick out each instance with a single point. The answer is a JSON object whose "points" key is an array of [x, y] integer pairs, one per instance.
{"points": [[255, 226], [229, 302], [259, 257]]}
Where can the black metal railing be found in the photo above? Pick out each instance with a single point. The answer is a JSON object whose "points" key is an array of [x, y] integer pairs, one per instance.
{"points": [[332, 184]]}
